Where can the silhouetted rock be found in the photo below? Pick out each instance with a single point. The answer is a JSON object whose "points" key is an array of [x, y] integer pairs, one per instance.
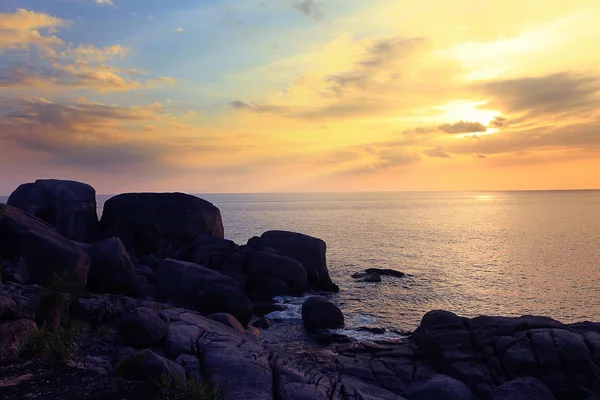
{"points": [[147, 365], [180, 281], [262, 323], [371, 277], [226, 299], [209, 251], [272, 264], [44, 250], [142, 327], [69, 206], [308, 250], [522, 389], [390, 272], [320, 313], [111, 269], [159, 223], [440, 387]]}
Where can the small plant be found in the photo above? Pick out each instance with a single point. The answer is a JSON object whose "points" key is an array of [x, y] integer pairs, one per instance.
{"points": [[57, 291], [106, 330], [193, 388], [44, 345]]}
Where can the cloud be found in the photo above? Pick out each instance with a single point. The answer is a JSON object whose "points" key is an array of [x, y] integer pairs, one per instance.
{"points": [[310, 9], [107, 2], [463, 127], [178, 30], [41, 61], [498, 123], [437, 153], [23, 29], [549, 94]]}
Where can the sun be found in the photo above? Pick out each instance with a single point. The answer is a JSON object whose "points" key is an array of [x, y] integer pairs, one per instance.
{"points": [[464, 110]]}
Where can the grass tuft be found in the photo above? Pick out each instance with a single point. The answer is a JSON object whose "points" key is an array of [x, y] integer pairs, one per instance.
{"points": [[194, 389]]}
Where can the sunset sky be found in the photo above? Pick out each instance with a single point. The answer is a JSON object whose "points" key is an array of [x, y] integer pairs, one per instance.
{"points": [[300, 95]]}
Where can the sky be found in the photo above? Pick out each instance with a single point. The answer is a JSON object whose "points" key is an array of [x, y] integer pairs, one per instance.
{"points": [[300, 95]]}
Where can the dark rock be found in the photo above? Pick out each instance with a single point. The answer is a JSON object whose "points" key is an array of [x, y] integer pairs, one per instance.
{"points": [[146, 365], [440, 387], [228, 299], [371, 277], [308, 250], [146, 272], [107, 309], [180, 281], [68, 206], [268, 263], [44, 250], [228, 320], [191, 365], [111, 270], [320, 313], [159, 223], [264, 309], [181, 338], [522, 389], [142, 327], [12, 334], [262, 323], [389, 272], [267, 288]]}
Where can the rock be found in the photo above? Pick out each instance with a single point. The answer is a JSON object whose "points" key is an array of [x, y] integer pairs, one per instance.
{"points": [[229, 320], [107, 309], [264, 309], [375, 330], [142, 327], [268, 263], [191, 365], [209, 251], [147, 272], [390, 272], [111, 269], [180, 281], [159, 223], [440, 387], [146, 365], [68, 206], [262, 323], [227, 299], [522, 389], [308, 250], [266, 289], [44, 250], [12, 334], [371, 277], [320, 313], [181, 338]]}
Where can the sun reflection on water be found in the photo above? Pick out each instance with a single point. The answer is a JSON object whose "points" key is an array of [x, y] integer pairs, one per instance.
{"points": [[486, 197]]}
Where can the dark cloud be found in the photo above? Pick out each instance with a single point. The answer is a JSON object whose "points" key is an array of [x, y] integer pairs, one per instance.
{"points": [[548, 94], [436, 152], [498, 123], [385, 50], [463, 127], [240, 105], [310, 9], [481, 156]]}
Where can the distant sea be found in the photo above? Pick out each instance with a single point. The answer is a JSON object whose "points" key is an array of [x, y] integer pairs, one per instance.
{"points": [[494, 253]]}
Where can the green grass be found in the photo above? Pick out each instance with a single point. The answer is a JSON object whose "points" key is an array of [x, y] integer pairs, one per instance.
{"points": [[57, 290], [196, 390], [41, 344]]}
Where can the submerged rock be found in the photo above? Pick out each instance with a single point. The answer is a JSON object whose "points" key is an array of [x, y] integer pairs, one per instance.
{"points": [[386, 271], [371, 277], [320, 313], [68, 206]]}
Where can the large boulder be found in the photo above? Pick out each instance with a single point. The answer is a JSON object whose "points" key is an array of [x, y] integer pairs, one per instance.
{"points": [[180, 281], [226, 299], [45, 251], [69, 206], [268, 263], [320, 313], [486, 351], [310, 251], [159, 223], [209, 251], [142, 327], [522, 389], [107, 309], [440, 387], [111, 270]]}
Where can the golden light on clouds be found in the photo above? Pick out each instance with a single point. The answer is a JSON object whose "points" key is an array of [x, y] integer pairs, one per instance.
{"points": [[436, 95]]}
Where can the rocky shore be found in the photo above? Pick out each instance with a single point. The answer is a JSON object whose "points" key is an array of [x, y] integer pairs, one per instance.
{"points": [[152, 302]]}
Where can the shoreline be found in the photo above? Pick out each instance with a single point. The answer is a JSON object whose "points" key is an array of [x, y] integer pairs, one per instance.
{"points": [[153, 291]]}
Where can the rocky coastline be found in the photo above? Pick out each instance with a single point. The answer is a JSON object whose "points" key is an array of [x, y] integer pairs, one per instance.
{"points": [[151, 301]]}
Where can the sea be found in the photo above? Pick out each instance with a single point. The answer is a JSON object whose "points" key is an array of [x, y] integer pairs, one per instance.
{"points": [[506, 253]]}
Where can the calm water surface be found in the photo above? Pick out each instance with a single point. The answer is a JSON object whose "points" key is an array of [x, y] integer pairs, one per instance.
{"points": [[501, 253]]}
